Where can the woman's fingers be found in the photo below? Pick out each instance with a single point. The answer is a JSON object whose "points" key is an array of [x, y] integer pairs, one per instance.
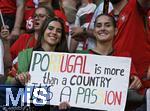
{"points": [[23, 78]]}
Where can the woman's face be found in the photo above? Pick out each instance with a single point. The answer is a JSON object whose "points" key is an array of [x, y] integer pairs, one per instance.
{"points": [[39, 17], [53, 33], [104, 29]]}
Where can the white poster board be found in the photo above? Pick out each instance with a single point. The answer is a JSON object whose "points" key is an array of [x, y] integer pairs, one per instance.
{"points": [[83, 80], [148, 99]]}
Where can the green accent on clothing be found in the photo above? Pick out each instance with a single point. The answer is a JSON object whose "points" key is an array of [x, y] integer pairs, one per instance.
{"points": [[24, 59]]}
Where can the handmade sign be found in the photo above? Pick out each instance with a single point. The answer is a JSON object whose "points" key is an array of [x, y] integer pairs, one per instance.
{"points": [[83, 80]]}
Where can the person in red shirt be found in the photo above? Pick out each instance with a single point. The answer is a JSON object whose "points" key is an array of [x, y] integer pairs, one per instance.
{"points": [[58, 10], [29, 14], [132, 34], [29, 40], [13, 16]]}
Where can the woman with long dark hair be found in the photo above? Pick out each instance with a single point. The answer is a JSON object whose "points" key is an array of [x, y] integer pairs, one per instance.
{"points": [[52, 38]]}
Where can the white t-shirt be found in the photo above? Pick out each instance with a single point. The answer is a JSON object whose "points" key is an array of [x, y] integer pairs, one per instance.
{"points": [[83, 12], [1, 58]]}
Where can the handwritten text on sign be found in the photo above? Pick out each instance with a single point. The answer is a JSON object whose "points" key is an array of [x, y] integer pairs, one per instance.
{"points": [[87, 81]]}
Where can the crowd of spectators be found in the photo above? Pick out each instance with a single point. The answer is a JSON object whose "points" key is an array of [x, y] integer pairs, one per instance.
{"points": [[76, 24]]}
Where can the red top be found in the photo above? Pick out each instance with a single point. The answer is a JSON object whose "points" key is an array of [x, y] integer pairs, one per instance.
{"points": [[28, 14], [61, 15], [29, 3], [21, 43], [8, 6], [132, 36], [28, 18]]}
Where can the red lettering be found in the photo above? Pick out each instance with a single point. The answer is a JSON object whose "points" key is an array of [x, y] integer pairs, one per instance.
{"points": [[84, 66], [73, 63], [113, 98], [118, 97], [69, 65], [110, 98], [63, 67], [105, 102]]}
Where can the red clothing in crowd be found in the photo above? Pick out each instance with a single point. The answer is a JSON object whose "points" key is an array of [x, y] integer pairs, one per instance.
{"points": [[132, 36], [8, 6], [29, 13], [21, 44], [30, 3], [61, 15]]}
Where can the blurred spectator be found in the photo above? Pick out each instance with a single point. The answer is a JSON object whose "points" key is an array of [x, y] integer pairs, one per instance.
{"points": [[70, 10], [28, 14], [5, 58], [58, 10], [29, 40], [83, 19], [13, 16]]}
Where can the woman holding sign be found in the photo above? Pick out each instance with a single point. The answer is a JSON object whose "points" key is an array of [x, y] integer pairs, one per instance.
{"points": [[51, 38], [105, 31]]}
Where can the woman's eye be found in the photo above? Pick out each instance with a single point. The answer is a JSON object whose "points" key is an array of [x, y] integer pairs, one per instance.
{"points": [[108, 25], [59, 30], [50, 27], [99, 25]]}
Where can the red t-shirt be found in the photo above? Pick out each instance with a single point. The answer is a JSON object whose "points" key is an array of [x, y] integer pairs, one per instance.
{"points": [[28, 14], [29, 3], [133, 37], [8, 6], [61, 15], [21, 43]]}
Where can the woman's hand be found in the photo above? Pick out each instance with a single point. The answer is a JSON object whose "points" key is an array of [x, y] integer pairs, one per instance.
{"points": [[23, 78], [64, 106]]}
